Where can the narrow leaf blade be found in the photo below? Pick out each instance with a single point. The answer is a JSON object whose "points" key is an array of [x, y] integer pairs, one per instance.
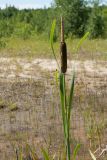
{"points": [[52, 32], [92, 155], [71, 96], [45, 155], [81, 41], [76, 151]]}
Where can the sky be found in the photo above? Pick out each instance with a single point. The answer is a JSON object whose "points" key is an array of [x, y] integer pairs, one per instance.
{"points": [[26, 3], [29, 3]]}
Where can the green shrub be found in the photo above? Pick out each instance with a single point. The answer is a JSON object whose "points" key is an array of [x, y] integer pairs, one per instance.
{"points": [[6, 28], [23, 31], [96, 25]]}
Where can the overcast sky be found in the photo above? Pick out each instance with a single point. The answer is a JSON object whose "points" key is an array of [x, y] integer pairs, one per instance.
{"points": [[28, 3]]}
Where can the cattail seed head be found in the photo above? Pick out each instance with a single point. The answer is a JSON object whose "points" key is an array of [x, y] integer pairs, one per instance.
{"points": [[63, 57], [63, 49]]}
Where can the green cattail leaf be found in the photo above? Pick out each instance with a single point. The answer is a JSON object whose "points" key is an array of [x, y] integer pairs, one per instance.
{"points": [[81, 41], [92, 155], [52, 32], [63, 102], [45, 155], [76, 151], [71, 97]]}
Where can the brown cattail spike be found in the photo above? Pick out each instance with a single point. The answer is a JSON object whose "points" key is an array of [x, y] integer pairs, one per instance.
{"points": [[63, 49]]}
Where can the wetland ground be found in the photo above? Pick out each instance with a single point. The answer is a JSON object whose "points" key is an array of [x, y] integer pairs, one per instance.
{"points": [[30, 105]]}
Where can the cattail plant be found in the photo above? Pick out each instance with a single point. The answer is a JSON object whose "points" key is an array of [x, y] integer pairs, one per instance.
{"points": [[65, 105], [66, 101]]}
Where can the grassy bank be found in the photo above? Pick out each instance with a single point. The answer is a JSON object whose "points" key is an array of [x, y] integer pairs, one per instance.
{"points": [[38, 47]]}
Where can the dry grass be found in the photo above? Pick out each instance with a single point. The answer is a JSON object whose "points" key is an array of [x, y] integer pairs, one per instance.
{"points": [[37, 119], [90, 49]]}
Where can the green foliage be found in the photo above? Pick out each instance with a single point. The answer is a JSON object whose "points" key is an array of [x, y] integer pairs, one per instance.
{"points": [[75, 14], [52, 39], [9, 12], [39, 20], [96, 25], [76, 151], [104, 12], [46, 155], [66, 111], [23, 31], [6, 28], [78, 18]]}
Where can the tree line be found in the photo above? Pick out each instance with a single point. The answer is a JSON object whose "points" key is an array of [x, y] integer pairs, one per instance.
{"points": [[79, 17]]}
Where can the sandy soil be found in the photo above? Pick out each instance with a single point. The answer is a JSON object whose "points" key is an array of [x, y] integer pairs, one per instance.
{"points": [[29, 102]]}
